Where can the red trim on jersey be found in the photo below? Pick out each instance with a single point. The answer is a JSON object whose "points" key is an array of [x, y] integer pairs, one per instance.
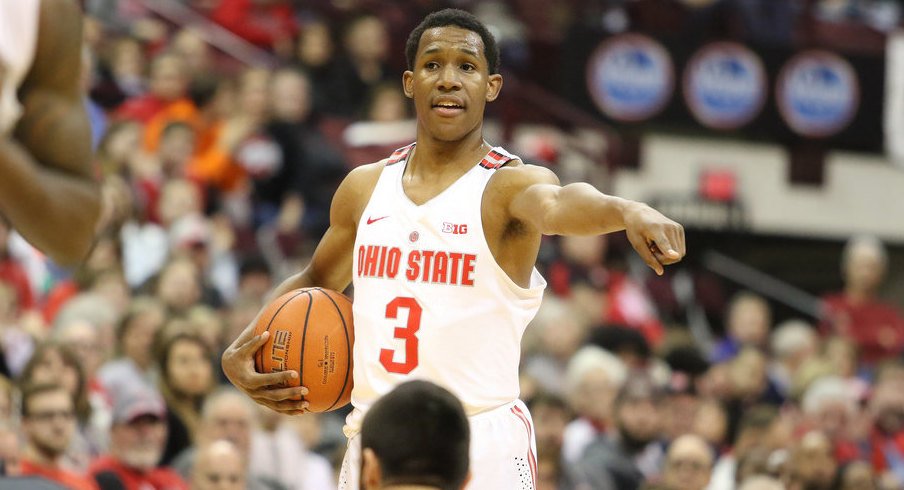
{"points": [[399, 155], [531, 459], [494, 160]]}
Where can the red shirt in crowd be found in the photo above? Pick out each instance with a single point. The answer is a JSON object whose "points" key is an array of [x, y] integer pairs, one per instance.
{"points": [[876, 328], [886, 450], [12, 273], [61, 293], [131, 479], [66, 478], [142, 108]]}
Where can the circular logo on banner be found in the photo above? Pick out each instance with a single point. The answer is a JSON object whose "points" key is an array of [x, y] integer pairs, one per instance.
{"points": [[817, 93], [725, 85], [630, 77]]}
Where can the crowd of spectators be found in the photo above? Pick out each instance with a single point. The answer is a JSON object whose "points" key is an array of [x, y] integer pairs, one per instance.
{"points": [[217, 180]]}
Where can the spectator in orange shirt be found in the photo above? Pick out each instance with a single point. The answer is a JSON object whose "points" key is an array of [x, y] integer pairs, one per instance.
{"points": [[221, 163], [48, 420], [166, 85]]}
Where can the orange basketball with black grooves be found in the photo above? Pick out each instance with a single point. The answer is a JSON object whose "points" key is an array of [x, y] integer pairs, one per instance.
{"points": [[311, 332]]}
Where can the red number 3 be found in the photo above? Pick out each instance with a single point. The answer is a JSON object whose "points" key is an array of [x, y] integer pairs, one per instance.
{"points": [[408, 333]]}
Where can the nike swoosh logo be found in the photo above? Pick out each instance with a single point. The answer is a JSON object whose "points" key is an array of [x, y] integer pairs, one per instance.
{"points": [[371, 220]]}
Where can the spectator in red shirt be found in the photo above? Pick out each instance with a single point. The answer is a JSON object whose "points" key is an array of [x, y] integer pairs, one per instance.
{"points": [[48, 421], [137, 439], [856, 312]]}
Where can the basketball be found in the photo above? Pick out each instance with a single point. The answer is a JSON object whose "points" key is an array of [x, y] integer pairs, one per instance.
{"points": [[310, 332]]}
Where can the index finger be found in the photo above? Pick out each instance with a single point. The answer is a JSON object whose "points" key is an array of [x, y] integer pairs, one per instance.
{"points": [[246, 335], [254, 343]]}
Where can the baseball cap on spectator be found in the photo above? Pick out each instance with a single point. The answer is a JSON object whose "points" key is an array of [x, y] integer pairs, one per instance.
{"points": [[135, 402]]}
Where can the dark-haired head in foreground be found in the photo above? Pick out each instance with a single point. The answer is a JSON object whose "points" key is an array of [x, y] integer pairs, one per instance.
{"points": [[417, 434]]}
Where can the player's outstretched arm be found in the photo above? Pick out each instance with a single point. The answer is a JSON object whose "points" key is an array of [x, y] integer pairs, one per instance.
{"points": [[537, 198], [46, 186], [331, 268]]}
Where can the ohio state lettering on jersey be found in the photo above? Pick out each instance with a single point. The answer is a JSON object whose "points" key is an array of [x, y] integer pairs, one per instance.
{"points": [[430, 300], [427, 266]]}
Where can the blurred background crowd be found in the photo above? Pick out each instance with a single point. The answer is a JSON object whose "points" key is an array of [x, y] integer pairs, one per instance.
{"points": [[771, 358]]}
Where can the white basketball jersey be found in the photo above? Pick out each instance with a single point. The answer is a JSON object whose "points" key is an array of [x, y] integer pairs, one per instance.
{"points": [[430, 300], [18, 40]]}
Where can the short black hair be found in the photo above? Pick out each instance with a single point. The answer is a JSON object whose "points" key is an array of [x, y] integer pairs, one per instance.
{"points": [[420, 435], [457, 18]]}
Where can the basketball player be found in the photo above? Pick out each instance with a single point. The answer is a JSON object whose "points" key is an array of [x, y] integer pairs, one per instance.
{"points": [[46, 187], [416, 436], [440, 240]]}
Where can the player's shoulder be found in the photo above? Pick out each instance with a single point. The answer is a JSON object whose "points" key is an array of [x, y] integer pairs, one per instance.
{"points": [[517, 175], [366, 175], [355, 190]]}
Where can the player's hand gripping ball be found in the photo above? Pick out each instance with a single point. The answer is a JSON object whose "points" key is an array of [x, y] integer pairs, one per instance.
{"points": [[311, 332]]}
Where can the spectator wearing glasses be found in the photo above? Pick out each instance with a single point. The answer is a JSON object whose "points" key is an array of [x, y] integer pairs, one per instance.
{"points": [[56, 363], [48, 422]]}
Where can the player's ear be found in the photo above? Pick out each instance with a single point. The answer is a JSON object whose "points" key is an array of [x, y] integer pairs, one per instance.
{"points": [[494, 86], [408, 83], [371, 474]]}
